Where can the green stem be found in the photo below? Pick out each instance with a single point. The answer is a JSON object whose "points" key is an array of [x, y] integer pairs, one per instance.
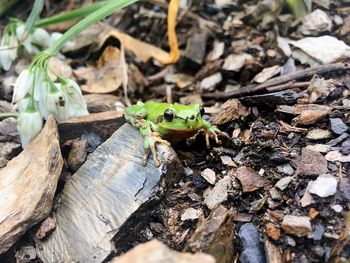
{"points": [[75, 14], [8, 114], [31, 105], [99, 14], [34, 14]]}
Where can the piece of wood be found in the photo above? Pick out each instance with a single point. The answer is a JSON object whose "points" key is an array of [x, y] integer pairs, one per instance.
{"points": [[28, 184], [155, 252], [102, 124], [110, 187]]}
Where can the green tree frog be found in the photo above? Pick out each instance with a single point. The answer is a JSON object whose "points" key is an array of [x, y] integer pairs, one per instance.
{"points": [[164, 122]]}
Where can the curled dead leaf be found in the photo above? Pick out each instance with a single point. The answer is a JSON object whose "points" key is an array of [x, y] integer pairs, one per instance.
{"points": [[106, 76]]}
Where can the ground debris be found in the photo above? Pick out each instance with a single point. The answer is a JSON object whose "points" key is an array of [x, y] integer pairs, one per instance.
{"points": [[324, 186], [311, 163], [219, 193], [215, 235], [46, 228], [252, 249], [25, 254], [156, 252], [29, 195], [106, 171], [250, 180], [247, 63], [191, 214], [231, 110], [273, 255], [296, 225]]}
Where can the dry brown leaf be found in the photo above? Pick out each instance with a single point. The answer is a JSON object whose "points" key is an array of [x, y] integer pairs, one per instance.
{"points": [[106, 76], [142, 50]]}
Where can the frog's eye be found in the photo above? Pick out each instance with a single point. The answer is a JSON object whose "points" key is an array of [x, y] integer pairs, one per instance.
{"points": [[169, 115], [201, 110]]}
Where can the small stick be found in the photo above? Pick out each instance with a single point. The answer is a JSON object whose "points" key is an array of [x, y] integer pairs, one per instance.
{"points": [[300, 74]]}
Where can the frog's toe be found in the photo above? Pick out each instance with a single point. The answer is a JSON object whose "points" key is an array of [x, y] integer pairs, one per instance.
{"points": [[157, 139], [145, 156], [154, 153], [207, 142], [156, 161], [150, 147]]}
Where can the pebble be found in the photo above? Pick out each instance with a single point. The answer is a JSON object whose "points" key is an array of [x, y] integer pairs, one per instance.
{"points": [[338, 126], [199, 181], [235, 62], [46, 228], [250, 180], [219, 193], [311, 163], [26, 254], [345, 147], [209, 175], [273, 254], [272, 231], [252, 249], [283, 183], [188, 171], [321, 148], [290, 241], [324, 186], [285, 169], [318, 250], [8, 130], [307, 198], [210, 82], [346, 102], [296, 225], [316, 22], [275, 195], [194, 197], [337, 208], [317, 233], [337, 156], [191, 214], [226, 160], [218, 47], [8, 150], [318, 134], [335, 141]]}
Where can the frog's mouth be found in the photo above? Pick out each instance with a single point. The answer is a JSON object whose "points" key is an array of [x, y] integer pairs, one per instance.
{"points": [[182, 130], [176, 135]]}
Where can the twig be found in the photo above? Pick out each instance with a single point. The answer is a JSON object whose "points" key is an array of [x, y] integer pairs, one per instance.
{"points": [[272, 83], [288, 85]]}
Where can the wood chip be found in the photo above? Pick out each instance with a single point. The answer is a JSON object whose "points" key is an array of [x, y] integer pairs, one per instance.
{"points": [[250, 180], [28, 184], [107, 189]]}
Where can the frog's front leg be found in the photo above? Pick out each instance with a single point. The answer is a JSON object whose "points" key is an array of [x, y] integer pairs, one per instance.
{"points": [[211, 131], [151, 138], [136, 115]]}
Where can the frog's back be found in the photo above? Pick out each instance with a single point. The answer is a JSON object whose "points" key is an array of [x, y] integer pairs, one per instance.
{"points": [[154, 109]]}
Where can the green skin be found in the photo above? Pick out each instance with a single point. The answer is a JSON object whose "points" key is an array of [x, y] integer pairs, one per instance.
{"points": [[149, 119]]}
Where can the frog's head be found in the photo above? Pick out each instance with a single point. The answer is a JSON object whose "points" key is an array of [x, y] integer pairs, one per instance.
{"points": [[182, 118]]}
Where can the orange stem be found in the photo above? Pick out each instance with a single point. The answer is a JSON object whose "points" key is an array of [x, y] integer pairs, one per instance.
{"points": [[172, 39]]}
